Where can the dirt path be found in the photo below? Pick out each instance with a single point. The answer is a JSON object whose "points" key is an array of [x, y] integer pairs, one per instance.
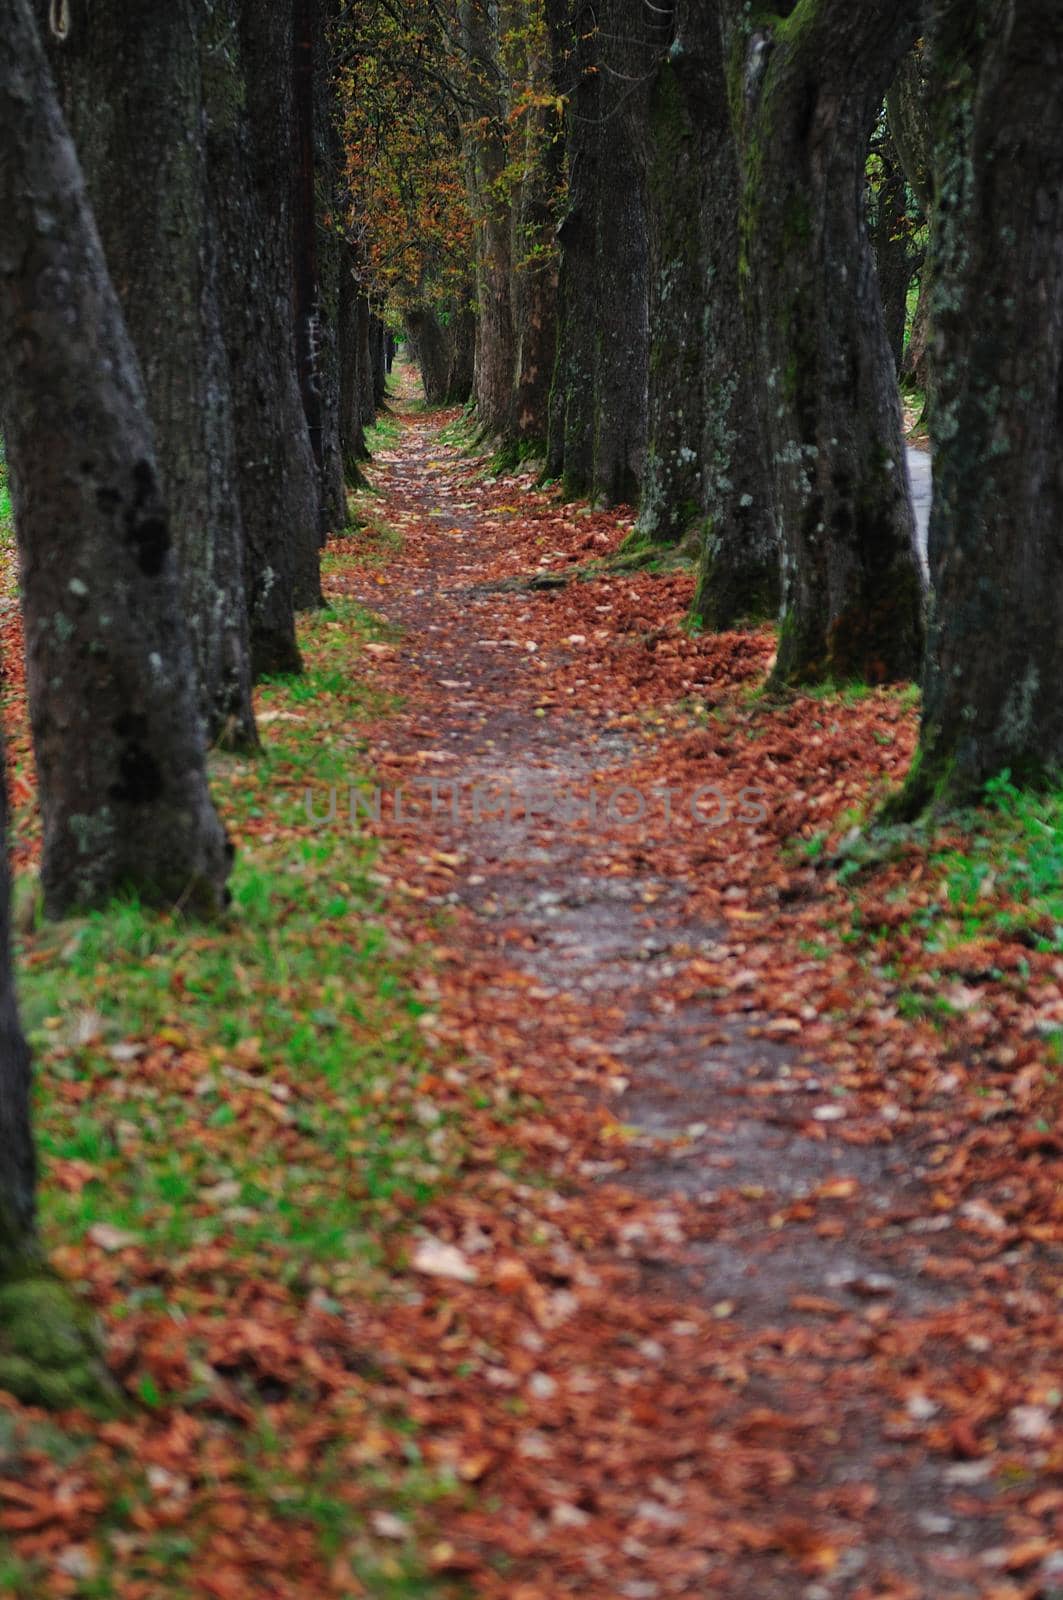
{"points": [[736, 1326]]}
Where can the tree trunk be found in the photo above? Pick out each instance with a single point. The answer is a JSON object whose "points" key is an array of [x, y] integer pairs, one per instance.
{"points": [[118, 742], [535, 265], [706, 479], [671, 156], [808, 88], [915, 368], [251, 146], [430, 349], [622, 327], [48, 1349], [597, 417], [305, 282], [144, 156], [570, 438], [355, 381], [378, 360], [890, 238], [908, 107], [486, 158], [461, 343], [991, 689], [333, 258], [739, 574]]}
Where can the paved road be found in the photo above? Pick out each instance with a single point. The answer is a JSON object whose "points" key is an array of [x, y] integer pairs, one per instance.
{"points": [[920, 473]]}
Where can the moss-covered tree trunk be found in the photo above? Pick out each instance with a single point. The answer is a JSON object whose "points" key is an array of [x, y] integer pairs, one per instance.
{"points": [[806, 89], [144, 156], [995, 655], [118, 742], [48, 1351]]}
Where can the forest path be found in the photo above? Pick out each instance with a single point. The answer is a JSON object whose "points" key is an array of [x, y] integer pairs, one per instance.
{"points": [[718, 1344]]}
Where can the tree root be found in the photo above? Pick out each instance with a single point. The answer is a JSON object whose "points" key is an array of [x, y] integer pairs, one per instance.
{"points": [[50, 1353]]}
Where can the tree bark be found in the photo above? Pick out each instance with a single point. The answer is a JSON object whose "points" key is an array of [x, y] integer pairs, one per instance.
{"points": [[890, 237], [118, 741], [430, 348], [249, 71], [671, 155], [443, 352], [570, 438], [144, 156], [991, 687], [597, 415], [622, 329], [807, 88], [486, 158], [908, 107], [535, 265], [333, 252], [461, 343], [356, 399]]}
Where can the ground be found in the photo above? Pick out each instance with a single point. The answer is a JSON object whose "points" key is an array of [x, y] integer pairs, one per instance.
{"points": [[598, 1174]]}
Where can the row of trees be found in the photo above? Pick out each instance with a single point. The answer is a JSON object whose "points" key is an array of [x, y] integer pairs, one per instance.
{"points": [[681, 303], [188, 360]]}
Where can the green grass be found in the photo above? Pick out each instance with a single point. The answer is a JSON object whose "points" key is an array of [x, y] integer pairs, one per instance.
{"points": [[462, 433], [368, 536], [383, 433], [247, 1092], [1009, 876]]}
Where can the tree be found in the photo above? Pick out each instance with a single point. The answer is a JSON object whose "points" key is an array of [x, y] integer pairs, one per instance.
{"points": [[324, 212], [806, 88], [76, 428], [403, 85], [249, 89], [537, 154], [48, 1351], [486, 159], [990, 697], [144, 155], [597, 422], [706, 482], [908, 111], [118, 741], [892, 230]]}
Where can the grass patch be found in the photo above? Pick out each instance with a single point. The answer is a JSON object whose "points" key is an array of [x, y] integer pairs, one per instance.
{"points": [[234, 1132], [382, 434], [368, 536], [1008, 878], [462, 434]]}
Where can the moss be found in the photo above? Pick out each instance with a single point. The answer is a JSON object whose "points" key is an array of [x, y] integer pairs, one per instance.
{"points": [[509, 457], [49, 1351], [730, 595]]}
